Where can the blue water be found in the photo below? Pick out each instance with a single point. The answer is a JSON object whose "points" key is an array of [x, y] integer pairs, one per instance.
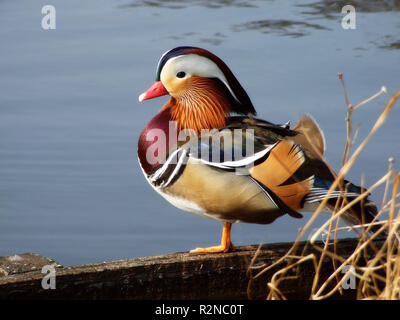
{"points": [[70, 184]]}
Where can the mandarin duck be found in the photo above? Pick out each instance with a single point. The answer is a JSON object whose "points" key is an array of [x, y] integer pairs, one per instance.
{"points": [[207, 154]]}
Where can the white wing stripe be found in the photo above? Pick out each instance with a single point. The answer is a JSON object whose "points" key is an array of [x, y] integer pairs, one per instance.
{"points": [[241, 162]]}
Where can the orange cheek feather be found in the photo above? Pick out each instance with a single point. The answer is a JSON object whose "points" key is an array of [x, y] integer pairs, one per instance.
{"points": [[198, 103]]}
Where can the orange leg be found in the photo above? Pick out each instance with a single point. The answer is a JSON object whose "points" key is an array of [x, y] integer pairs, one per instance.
{"points": [[225, 246]]}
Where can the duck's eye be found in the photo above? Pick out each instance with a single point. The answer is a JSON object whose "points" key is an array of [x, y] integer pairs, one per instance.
{"points": [[181, 74]]}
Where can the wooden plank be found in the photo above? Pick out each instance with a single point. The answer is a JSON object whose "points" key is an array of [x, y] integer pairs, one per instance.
{"points": [[172, 276]]}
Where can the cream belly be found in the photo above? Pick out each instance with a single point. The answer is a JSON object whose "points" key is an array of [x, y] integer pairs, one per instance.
{"points": [[179, 202], [221, 195]]}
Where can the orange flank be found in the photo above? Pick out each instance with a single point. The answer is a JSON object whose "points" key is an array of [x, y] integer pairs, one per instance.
{"points": [[284, 160]]}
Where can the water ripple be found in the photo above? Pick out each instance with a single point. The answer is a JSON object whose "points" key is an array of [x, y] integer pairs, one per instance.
{"points": [[281, 27]]}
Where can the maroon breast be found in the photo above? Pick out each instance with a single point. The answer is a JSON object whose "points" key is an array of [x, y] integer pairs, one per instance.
{"points": [[159, 135]]}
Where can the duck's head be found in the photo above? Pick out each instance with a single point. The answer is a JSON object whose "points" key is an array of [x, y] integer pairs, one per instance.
{"points": [[203, 89]]}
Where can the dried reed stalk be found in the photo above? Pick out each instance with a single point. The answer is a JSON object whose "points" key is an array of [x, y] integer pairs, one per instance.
{"points": [[379, 277]]}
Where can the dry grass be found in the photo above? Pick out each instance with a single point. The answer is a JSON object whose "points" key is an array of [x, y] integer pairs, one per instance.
{"points": [[378, 274]]}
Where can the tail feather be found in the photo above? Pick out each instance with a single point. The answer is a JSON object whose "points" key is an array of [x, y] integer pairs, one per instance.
{"points": [[360, 213]]}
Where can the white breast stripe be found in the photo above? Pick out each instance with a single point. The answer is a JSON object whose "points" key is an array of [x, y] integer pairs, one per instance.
{"points": [[177, 168], [164, 167]]}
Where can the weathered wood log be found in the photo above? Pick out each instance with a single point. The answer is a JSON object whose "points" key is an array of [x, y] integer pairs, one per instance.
{"points": [[174, 276]]}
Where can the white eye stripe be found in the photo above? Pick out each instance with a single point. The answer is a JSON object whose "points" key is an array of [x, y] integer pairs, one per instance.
{"points": [[193, 64]]}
